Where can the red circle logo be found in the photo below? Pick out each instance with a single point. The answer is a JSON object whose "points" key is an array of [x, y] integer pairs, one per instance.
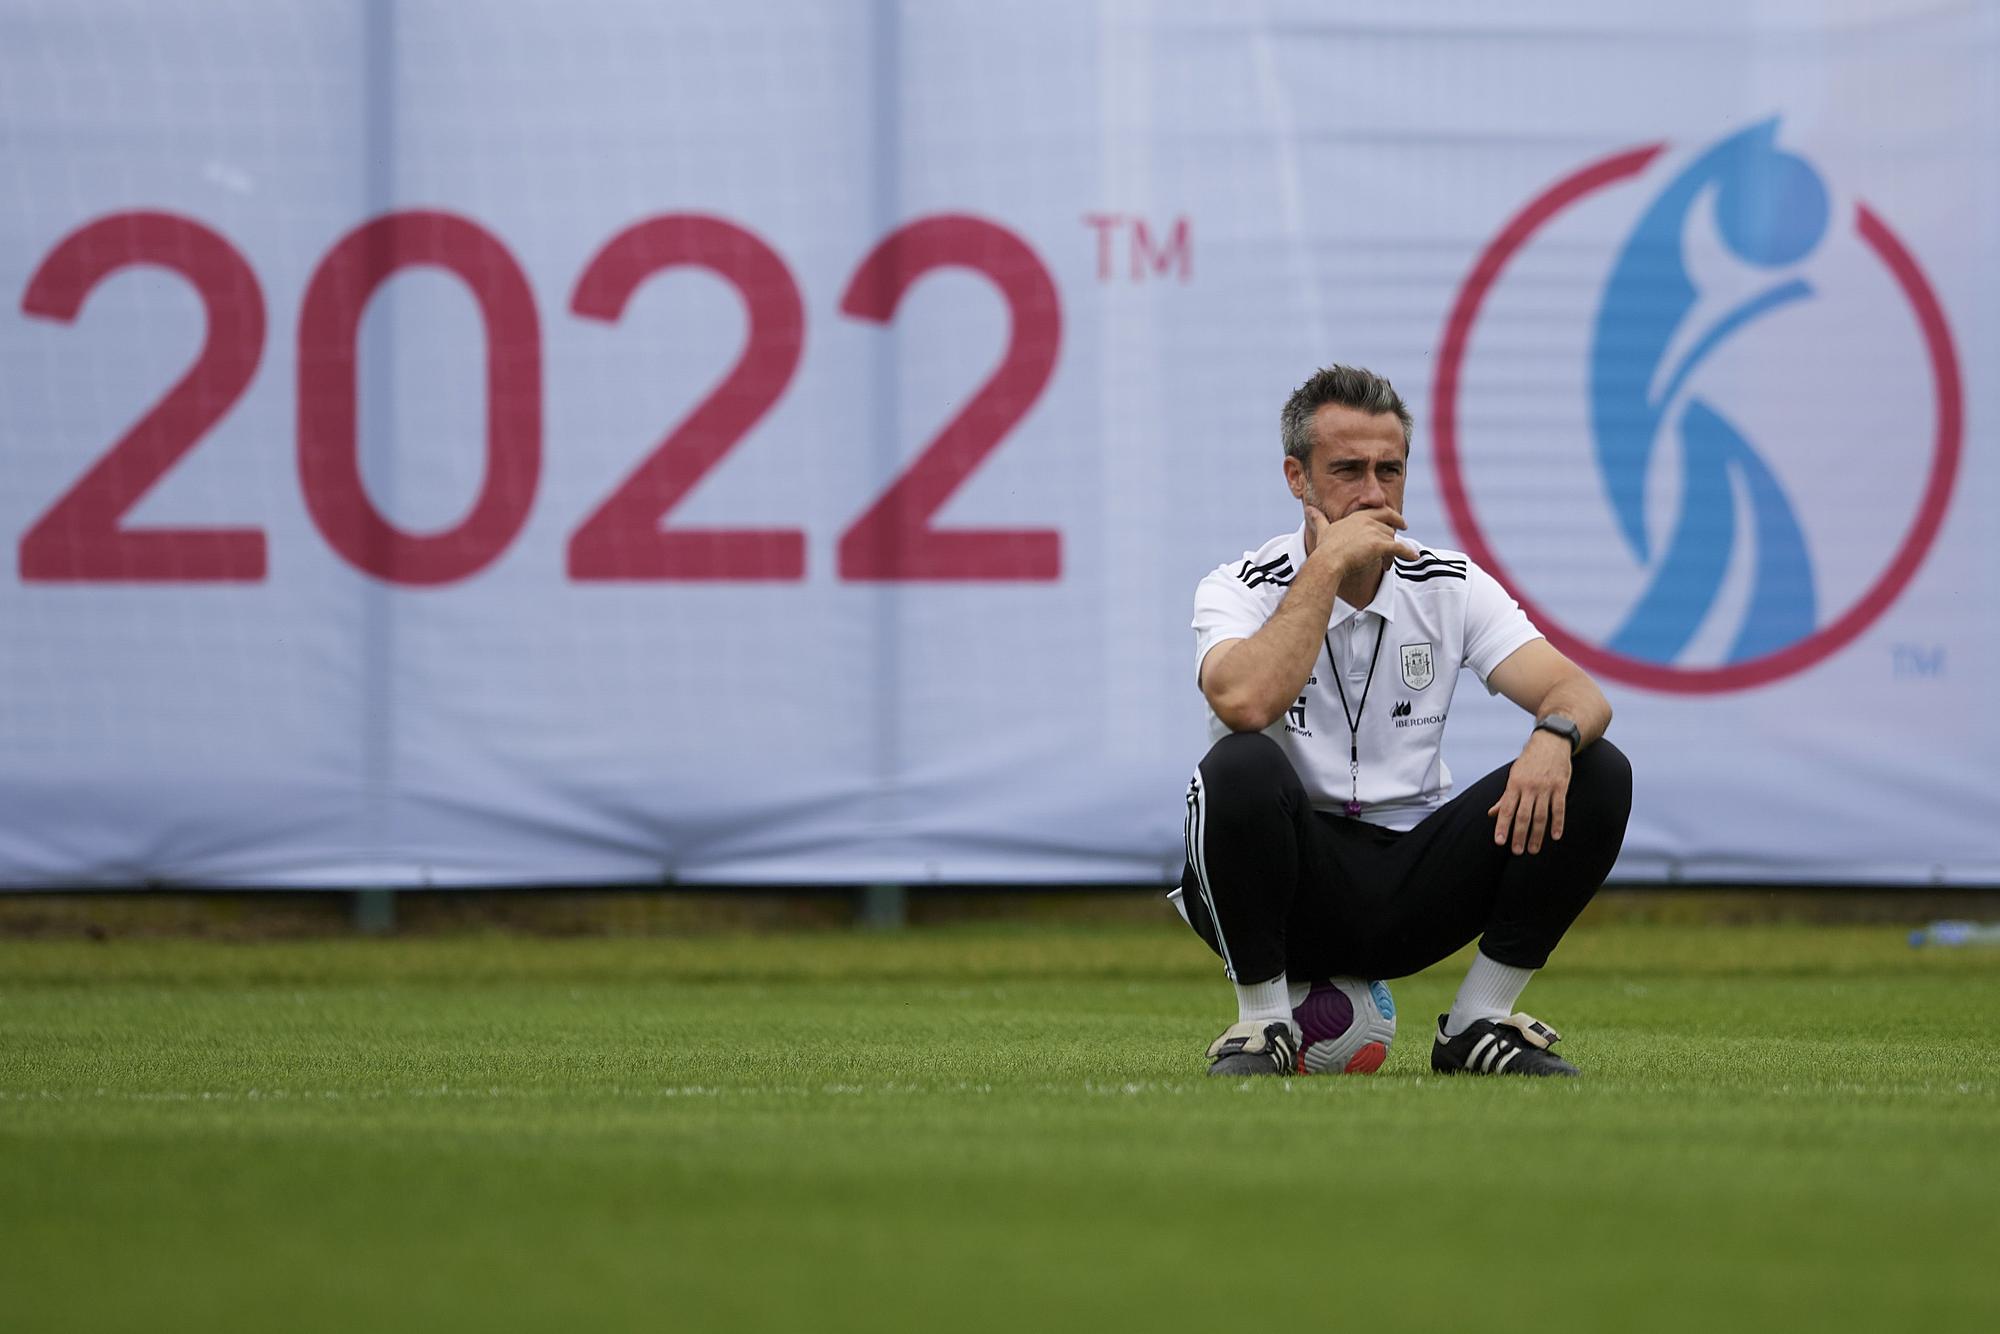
{"points": [[1795, 656]]}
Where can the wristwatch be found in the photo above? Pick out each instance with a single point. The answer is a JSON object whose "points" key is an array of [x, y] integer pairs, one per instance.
{"points": [[1565, 728]]}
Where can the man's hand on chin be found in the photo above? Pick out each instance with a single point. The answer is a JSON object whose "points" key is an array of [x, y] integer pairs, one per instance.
{"points": [[1358, 541]]}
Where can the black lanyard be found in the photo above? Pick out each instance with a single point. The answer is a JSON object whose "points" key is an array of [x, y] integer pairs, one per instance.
{"points": [[1354, 718]]}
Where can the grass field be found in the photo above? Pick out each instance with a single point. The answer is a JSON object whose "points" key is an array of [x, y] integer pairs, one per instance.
{"points": [[980, 1129]]}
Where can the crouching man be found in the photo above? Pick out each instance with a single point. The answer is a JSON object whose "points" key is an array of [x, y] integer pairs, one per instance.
{"points": [[1323, 835]]}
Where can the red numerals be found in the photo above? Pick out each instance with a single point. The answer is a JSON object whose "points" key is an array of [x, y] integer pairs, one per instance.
{"points": [[894, 539], [329, 458], [623, 538], [79, 538]]}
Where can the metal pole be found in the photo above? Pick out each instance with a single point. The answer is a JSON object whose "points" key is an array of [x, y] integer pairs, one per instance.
{"points": [[375, 911], [883, 908]]}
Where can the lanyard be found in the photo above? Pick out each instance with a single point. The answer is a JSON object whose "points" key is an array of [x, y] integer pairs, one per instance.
{"points": [[1354, 718]]}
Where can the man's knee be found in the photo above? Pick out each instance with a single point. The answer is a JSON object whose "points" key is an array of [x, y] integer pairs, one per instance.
{"points": [[1247, 768], [1601, 780]]}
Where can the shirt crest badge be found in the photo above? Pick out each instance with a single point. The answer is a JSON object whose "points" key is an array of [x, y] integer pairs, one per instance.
{"points": [[1417, 670]]}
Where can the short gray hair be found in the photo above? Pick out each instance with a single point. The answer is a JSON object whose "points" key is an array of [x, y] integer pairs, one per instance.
{"points": [[1349, 386]]}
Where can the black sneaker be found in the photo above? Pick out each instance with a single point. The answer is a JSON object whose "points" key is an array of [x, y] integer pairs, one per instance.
{"points": [[1516, 1045], [1255, 1047]]}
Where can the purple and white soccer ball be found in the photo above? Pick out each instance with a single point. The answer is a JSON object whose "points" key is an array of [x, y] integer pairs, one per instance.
{"points": [[1345, 1025]]}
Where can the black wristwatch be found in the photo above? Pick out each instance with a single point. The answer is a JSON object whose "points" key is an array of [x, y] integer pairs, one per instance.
{"points": [[1565, 728]]}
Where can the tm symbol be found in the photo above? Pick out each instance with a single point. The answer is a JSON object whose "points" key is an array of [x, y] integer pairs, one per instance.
{"points": [[1173, 252], [1920, 661]]}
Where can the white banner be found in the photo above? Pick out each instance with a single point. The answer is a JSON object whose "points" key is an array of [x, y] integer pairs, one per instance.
{"points": [[536, 443]]}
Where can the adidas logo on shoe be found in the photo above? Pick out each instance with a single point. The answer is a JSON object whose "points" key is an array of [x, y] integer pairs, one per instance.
{"points": [[1255, 1047], [1516, 1045]]}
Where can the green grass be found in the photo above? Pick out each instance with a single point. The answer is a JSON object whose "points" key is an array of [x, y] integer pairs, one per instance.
{"points": [[969, 1130]]}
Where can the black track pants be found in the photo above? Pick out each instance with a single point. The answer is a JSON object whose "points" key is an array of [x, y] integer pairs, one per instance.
{"points": [[1314, 894]]}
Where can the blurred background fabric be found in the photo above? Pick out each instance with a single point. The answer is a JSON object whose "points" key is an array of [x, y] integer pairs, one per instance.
{"points": [[623, 442]]}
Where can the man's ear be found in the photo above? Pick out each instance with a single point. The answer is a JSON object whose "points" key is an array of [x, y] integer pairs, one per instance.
{"points": [[1295, 477]]}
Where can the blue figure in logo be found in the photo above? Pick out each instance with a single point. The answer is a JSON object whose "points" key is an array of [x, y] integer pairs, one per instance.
{"points": [[1771, 210]]}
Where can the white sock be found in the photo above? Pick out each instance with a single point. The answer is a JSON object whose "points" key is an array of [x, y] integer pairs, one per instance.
{"points": [[1264, 1001], [1489, 992]]}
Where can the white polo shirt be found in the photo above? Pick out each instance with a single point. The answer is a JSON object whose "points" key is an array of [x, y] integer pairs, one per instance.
{"points": [[1434, 614]]}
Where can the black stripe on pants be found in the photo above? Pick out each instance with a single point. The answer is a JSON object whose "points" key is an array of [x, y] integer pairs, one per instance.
{"points": [[1315, 894]]}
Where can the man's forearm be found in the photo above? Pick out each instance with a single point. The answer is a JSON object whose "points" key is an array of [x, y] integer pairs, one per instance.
{"points": [[1578, 699], [1258, 679]]}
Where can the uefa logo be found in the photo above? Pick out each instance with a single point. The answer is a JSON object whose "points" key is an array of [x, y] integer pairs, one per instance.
{"points": [[1699, 412]]}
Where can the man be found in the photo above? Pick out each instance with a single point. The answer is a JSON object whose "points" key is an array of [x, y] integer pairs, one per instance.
{"points": [[1323, 838]]}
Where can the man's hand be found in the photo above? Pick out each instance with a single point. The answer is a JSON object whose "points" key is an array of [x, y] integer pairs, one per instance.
{"points": [[1542, 681], [1363, 540], [1536, 788]]}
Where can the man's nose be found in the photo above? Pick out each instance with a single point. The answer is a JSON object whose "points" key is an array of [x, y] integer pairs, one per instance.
{"points": [[1373, 492]]}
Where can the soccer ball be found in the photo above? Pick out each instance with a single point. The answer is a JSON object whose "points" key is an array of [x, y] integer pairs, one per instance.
{"points": [[1345, 1025]]}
